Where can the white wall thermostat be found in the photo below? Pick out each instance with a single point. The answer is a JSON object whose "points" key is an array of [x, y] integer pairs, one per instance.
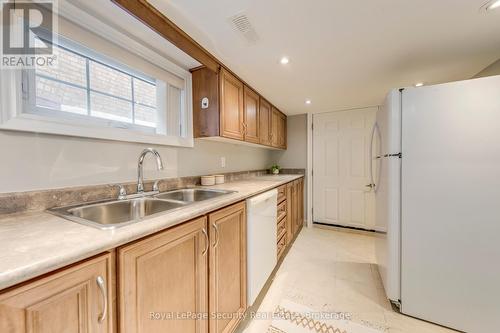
{"points": [[204, 103]]}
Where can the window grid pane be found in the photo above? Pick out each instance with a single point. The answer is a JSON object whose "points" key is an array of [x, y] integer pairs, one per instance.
{"points": [[60, 96], [112, 108], [110, 81], [83, 86]]}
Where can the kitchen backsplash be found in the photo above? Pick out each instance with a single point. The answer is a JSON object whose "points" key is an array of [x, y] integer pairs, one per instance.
{"points": [[32, 201]]}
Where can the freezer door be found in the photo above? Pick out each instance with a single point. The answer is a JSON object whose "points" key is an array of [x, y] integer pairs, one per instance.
{"points": [[451, 204], [387, 195]]}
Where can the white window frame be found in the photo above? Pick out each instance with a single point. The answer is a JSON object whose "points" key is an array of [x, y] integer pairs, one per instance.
{"points": [[14, 101]]}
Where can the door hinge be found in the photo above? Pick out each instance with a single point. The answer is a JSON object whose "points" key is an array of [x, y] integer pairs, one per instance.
{"points": [[312, 127]]}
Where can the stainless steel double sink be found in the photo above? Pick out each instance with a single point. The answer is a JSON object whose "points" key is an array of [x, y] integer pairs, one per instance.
{"points": [[117, 213]]}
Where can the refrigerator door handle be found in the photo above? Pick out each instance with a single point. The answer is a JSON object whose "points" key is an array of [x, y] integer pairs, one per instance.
{"points": [[372, 184]]}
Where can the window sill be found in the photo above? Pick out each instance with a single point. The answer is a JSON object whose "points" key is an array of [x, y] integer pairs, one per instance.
{"points": [[29, 123]]}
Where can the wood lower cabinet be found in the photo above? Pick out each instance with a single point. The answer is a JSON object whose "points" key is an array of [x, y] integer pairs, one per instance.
{"points": [[190, 278], [77, 299], [295, 207], [298, 213], [300, 203], [228, 268], [290, 223], [164, 277]]}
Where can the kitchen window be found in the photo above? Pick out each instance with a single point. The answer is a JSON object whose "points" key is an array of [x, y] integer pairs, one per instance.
{"points": [[92, 89], [108, 84]]}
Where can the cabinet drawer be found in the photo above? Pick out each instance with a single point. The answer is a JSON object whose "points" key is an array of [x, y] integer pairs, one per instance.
{"points": [[281, 193], [281, 230], [281, 246], [281, 210]]}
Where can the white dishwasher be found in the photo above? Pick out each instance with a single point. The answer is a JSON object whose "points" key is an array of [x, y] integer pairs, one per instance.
{"points": [[261, 241]]}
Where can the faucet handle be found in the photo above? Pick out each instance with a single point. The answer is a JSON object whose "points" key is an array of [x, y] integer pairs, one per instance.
{"points": [[156, 187], [122, 192]]}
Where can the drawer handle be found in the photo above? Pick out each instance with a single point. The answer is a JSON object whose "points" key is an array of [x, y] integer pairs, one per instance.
{"points": [[102, 288], [207, 242], [216, 243]]}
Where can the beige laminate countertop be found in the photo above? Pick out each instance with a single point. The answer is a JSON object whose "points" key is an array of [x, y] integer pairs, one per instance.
{"points": [[38, 243]]}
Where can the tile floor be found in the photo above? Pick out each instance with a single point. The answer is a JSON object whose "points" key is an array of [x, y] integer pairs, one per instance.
{"points": [[334, 271]]}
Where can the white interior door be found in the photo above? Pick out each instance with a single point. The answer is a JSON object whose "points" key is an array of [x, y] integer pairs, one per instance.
{"points": [[341, 168]]}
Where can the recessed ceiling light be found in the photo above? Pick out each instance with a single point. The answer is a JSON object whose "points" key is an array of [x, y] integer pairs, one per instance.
{"points": [[419, 84], [493, 5], [284, 60], [308, 101], [490, 6]]}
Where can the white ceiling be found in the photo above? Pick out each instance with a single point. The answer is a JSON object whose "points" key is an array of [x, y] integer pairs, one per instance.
{"points": [[343, 53]]}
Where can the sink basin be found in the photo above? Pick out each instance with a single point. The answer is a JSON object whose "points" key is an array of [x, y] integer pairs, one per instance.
{"points": [[110, 215], [192, 194]]}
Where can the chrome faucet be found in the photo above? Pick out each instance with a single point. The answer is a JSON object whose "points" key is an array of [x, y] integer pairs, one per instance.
{"points": [[140, 167]]}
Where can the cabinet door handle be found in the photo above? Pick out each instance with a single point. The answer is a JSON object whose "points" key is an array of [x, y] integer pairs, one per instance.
{"points": [[216, 243], [102, 288], [207, 242]]}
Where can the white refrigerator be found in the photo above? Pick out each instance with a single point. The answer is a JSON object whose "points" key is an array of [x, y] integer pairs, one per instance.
{"points": [[436, 175]]}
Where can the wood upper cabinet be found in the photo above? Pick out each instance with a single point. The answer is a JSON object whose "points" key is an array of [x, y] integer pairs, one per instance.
{"points": [[282, 131], [165, 274], [265, 122], [278, 129], [251, 115], [232, 116], [76, 299], [228, 268], [224, 107], [275, 115]]}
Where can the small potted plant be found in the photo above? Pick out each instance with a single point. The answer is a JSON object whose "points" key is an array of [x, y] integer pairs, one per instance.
{"points": [[275, 169]]}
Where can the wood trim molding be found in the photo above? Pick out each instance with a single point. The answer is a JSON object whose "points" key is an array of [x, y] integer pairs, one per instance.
{"points": [[154, 19]]}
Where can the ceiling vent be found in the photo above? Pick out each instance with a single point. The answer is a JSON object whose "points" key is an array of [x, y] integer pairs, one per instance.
{"points": [[242, 25]]}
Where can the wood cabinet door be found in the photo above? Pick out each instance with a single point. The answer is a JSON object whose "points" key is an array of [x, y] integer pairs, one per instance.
{"points": [[282, 135], [265, 122], [228, 268], [295, 207], [163, 281], [71, 300], [251, 115], [275, 120], [231, 106], [290, 223], [300, 203]]}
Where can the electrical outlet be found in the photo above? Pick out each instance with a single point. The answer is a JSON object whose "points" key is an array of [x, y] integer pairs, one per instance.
{"points": [[222, 162]]}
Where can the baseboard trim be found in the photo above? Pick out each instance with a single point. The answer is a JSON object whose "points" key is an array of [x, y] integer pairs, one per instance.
{"points": [[347, 227]]}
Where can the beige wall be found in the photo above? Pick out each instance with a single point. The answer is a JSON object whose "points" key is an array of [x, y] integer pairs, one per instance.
{"points": [[32, 161], [205, 158], [295, 156], [493, 69]]}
